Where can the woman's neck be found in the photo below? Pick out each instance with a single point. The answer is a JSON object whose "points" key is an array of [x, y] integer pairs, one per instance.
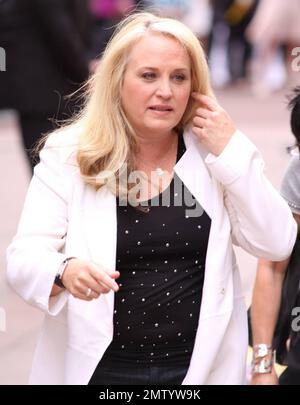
{"points": [[156, 149], [156, 159]]}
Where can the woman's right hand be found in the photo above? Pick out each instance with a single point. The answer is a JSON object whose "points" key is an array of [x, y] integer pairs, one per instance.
{"points": [[265, 378], [87, 280]]}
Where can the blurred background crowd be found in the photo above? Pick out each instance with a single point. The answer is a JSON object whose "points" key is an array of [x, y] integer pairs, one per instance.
{"points": [[52, 46]]}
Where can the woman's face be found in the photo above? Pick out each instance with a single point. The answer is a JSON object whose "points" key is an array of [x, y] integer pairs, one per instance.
{"points": [[156, 85]]}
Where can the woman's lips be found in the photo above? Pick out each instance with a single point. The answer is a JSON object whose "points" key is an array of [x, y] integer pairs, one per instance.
{"points": [[162, 108]]}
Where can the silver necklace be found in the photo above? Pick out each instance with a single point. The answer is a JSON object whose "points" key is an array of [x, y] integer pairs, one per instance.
{"points": [[158, 170]]}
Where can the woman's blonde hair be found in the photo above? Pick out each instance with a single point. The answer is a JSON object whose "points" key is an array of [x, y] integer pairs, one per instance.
{"points": [[107, 140]]}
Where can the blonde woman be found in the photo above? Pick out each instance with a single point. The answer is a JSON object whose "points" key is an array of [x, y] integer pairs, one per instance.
{"points": [[125, 240]]}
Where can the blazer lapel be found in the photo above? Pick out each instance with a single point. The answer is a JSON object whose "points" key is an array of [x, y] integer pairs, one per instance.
{"points": [[217, 297], [100, 230], [194, 174]]}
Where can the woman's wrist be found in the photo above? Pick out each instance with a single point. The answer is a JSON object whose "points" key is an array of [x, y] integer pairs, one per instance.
{"points": [[263, 358], [58, 278]]}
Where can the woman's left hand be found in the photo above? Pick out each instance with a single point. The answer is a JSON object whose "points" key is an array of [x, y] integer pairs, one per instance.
{"points": [[212, 124]]}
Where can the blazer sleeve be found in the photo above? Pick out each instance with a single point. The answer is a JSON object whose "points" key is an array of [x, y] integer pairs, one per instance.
{"points": [[35, 253], [261, 220]]}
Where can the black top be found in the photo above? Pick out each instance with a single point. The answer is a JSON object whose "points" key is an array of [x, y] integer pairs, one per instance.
{"points": [[161, 257]]}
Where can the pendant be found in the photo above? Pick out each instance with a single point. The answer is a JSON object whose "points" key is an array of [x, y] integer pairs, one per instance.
{"points": [[159, 171]]}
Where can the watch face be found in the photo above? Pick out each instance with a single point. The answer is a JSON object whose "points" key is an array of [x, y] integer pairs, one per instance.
{"points": [[58, 282]]}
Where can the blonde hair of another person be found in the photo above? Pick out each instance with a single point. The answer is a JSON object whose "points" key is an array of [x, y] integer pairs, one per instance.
{"points": [[107, 140]]}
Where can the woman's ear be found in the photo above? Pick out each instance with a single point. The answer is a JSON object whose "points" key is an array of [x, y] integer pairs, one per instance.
{"points": [[194, 103]]}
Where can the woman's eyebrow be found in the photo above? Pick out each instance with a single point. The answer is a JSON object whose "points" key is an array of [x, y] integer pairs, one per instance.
{"points": [[179, 69]]}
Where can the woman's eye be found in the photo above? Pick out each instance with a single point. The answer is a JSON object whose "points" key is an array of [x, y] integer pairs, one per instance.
{"points": [[149, 75], [179, 78]]}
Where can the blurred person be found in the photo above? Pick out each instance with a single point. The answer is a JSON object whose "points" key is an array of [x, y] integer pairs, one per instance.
{"points": [[45, 43], [170, 8], [238, 15], [268, 286], [274, 24], [126, 236], [198, 18], [229, 49], [105, 14]]}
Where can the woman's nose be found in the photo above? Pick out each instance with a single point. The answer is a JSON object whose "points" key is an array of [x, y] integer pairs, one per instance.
{"points": [[164, 89]]}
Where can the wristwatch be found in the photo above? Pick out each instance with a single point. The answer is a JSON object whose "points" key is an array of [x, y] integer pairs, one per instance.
{"points": [[60, 272]]}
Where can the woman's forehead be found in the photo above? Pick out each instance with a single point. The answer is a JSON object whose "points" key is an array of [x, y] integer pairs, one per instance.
{"points": [[158, 50]]}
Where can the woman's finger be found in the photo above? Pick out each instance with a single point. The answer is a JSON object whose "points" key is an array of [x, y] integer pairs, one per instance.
{"points": [[200, 122], [199, 132], [83, 292], [203, 113], [96, 286], [105, 279], [85, 296], [207, 101]]}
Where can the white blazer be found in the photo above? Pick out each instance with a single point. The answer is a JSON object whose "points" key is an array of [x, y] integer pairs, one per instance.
{"points": [[64, 217]]}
